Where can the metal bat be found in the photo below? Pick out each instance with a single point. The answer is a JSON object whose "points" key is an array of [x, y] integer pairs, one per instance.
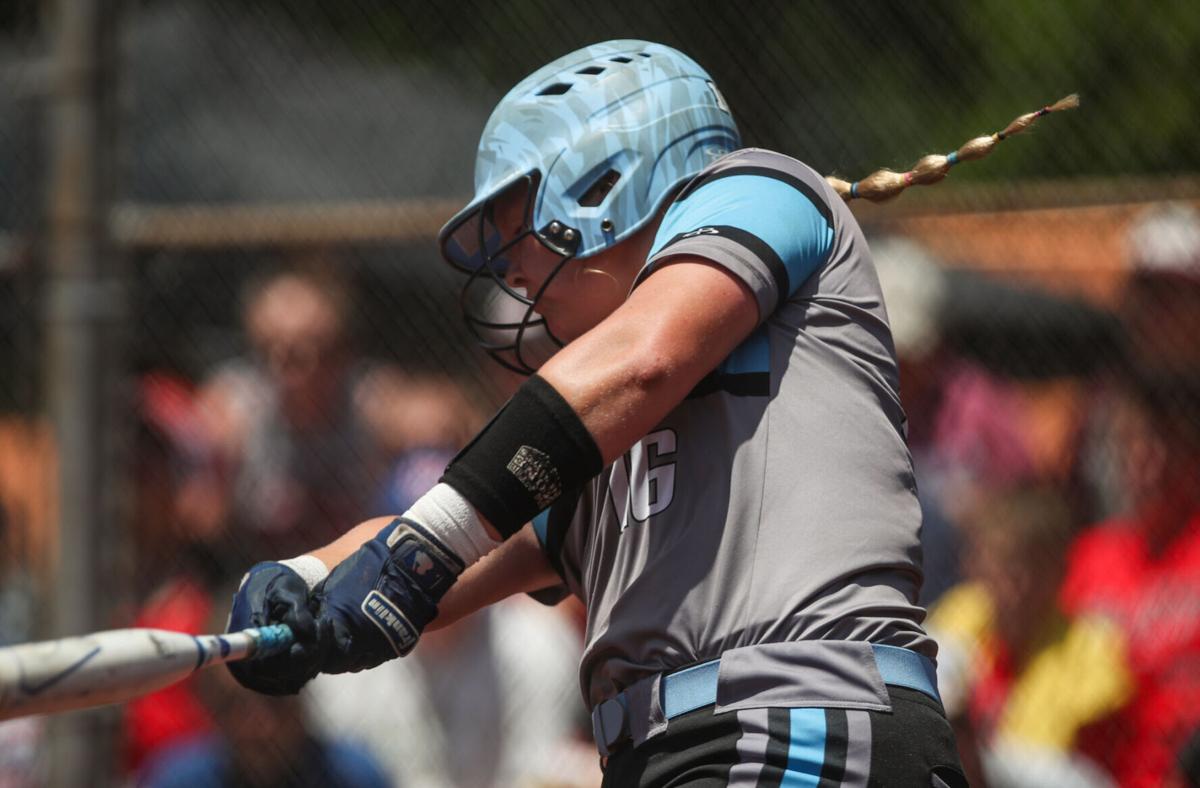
{"points": [[114, 666]]}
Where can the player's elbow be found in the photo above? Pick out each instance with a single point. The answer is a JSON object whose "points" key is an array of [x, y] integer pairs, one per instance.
{"points": [[651, 368]]}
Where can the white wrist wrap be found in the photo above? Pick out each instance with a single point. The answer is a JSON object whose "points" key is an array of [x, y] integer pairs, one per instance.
{"points": [[310, 568], [450, 518]]}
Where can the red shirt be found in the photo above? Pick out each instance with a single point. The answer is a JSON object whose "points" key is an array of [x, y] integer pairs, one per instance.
{"points": [[1155, 600]]}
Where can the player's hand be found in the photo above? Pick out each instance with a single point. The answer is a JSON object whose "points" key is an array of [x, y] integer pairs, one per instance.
{"points": [[272, 593], [374, 605]]}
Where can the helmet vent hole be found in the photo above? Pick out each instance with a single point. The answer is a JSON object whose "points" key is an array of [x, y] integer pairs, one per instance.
{"points": [[557, 89], [621, 59], [591, 71], [599, 189], [643, 54]]}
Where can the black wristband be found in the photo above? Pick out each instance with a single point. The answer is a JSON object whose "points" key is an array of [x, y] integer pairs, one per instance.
{"points": [[521, 462]]}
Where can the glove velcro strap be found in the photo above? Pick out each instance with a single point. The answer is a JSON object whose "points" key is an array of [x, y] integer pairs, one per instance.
{"points": [[423, 558], [416, 575]]}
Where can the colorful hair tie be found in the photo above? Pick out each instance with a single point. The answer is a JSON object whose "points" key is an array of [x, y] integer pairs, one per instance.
{"points": [[908, 176], [854, 189], [952, 158]]}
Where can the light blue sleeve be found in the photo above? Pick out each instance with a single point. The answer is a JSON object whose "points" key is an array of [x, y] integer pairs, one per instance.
{"points": [[540, 525], [763, 229], [541, 528]]}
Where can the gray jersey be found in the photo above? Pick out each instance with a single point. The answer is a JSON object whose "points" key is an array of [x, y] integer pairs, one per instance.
{"points": [[777, 502]]}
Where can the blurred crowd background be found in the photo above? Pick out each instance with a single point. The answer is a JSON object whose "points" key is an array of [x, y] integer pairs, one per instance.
{"points": [[226, 336]]}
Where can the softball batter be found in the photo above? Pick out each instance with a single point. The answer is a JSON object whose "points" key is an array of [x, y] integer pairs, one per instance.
{"points": [[710, 450]]}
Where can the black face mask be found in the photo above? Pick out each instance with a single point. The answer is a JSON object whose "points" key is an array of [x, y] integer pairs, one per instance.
{"points": [[504, 320]]}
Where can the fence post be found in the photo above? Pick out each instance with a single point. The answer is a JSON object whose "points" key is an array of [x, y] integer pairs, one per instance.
{"points": [[84, 308]]}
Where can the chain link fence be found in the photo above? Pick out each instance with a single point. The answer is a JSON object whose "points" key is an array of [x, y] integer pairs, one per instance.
{"points": [[284, 356]]}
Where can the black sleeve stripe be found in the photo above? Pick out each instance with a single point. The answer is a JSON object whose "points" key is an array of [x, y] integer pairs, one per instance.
{"points": [[742, 384], [691, 186], [550, 596], [766, 172], [753, 243], [763, 251], [562, 512]]}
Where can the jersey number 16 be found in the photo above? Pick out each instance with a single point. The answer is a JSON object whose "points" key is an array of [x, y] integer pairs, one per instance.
{"points": [[640, 484]]}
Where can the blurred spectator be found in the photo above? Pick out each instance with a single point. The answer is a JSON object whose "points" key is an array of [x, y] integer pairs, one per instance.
{"points": [[173, 469], [1161, 310], [1017, 675], [279, 450], [28, 520], [984, 409], [1141, 568], [255, 740], [177, 563], [435, 421], [409, 411], [300, 459], [269, 425]]}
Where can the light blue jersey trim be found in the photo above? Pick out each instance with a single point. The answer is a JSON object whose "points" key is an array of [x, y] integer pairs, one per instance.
{"points": [[806, 750], [785, 219], [541, 525], [753, 355]]}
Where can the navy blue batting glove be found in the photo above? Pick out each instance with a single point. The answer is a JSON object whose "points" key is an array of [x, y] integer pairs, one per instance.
{"points": [[272, 593], [374, 605]]}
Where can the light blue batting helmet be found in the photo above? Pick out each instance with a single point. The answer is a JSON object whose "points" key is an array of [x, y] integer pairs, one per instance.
{"points": [[602, 136]]}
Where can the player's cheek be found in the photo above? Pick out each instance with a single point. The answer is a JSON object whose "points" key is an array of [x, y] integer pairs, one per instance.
{"points": [[548, 264]]}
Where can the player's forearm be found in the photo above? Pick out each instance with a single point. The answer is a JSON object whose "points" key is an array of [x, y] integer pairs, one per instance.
{"points": [[516, 567], [338, 550]]}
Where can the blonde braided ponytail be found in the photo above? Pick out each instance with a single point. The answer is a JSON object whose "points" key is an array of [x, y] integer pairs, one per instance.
{"points": [[884, 184]]}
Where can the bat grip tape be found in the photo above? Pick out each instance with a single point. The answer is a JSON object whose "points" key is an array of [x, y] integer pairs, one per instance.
{"points": [[273, 639]]}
